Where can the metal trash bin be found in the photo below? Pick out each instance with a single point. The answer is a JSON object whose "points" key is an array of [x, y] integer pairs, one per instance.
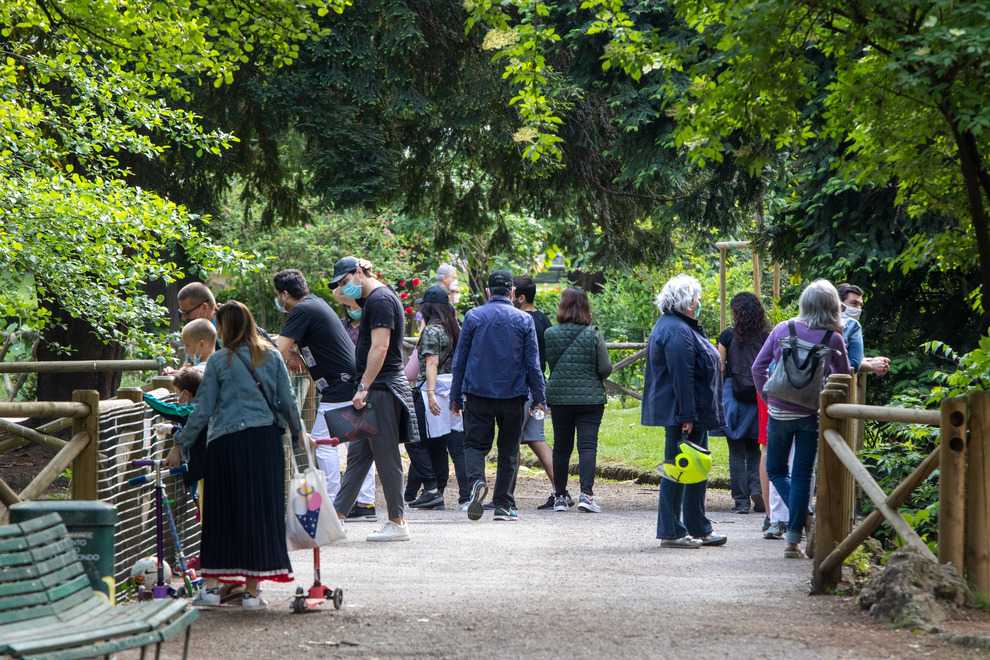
{"points": [[91, 525]]}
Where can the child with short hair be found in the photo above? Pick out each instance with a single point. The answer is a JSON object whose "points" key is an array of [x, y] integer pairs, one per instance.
{"points": [[199, 339]]}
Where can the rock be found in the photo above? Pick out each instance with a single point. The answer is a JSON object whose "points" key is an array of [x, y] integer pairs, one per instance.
{"points": [[913, 592]]}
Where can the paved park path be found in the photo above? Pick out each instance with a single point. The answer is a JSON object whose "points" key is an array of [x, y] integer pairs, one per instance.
{"points": [[561, 585]]}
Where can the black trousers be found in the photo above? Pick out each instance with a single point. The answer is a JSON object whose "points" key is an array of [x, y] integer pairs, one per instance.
{"points": [[481, 415], [585, 421]]}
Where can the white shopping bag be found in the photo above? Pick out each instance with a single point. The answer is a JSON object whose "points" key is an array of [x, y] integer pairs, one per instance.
{"points": [[442, 424], [310, 519]]}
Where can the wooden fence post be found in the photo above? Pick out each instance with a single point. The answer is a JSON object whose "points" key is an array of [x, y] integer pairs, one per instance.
{"points": [[832, 520], [721, 289], [977, 555], [952, 483], [85, 464]]}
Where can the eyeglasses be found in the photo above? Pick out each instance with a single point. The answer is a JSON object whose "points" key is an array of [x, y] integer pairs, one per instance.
{"points": [[341, 281], [184, 313]]}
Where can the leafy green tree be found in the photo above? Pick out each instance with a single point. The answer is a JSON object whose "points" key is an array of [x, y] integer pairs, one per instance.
{"points": [[90, 91], [899, 86]]}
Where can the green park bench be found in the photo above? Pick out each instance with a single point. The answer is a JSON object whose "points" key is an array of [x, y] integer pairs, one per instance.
{"points": [[48, 609]]}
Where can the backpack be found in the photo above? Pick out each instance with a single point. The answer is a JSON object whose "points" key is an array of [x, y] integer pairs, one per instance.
{"points": [[800, 374], [742, 355]]}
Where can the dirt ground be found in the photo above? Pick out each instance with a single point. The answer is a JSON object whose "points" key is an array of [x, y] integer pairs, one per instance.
{"points": [[561, 585]]}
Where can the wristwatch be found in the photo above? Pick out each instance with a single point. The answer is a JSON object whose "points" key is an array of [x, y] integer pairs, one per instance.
{"points": [[362, 387]]}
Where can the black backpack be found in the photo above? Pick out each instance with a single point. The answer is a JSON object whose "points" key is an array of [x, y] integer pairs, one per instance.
{"points": [[741, 356]]}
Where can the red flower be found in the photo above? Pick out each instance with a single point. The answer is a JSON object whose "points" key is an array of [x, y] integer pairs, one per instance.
{"points": [[404, 295], [402, 283], [416, 281], [409, 310]]}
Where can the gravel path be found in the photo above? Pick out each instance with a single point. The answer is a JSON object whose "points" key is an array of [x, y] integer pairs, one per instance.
{"points": [[560, 585]]}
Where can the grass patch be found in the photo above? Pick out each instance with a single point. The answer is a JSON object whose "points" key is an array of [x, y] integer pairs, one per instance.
{"points": [[623, 441]]}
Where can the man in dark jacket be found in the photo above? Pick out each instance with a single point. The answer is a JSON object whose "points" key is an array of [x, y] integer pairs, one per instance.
{"points": [[496, 364]]}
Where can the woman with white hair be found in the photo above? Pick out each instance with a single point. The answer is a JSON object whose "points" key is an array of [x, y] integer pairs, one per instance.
{"points": [[791, 424], [682, 384]]}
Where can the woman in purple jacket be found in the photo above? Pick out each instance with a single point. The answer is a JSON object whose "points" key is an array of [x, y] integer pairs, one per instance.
{"points": [[792, 424]]}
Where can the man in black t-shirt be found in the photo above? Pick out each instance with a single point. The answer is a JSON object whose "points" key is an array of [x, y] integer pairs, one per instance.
{"points": [[533, 433], [382, 385], [325, 349]]}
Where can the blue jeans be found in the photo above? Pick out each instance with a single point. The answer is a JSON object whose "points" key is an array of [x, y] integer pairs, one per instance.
{"points": [[794, 488], [682, 506]]}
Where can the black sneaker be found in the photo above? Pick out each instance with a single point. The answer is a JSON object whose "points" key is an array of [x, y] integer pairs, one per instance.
{"points": [[409, 497], [506, 514], [548, 504], [428, 499], [362, 512], [475, 508]]}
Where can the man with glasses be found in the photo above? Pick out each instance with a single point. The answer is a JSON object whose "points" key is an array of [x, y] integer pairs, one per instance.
{"points": [[196, 301]]}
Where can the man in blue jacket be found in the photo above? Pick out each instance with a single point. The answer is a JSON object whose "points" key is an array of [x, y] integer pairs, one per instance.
{"points": [[496, 365]]}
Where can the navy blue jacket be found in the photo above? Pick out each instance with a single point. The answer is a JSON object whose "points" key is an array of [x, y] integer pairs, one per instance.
{"points": [[683, 379], [497, 354]]}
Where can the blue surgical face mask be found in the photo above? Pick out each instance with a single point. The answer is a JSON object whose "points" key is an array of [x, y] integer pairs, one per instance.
{"points": [[697, 311], [351, 290], [279, 305], [355, 313]]}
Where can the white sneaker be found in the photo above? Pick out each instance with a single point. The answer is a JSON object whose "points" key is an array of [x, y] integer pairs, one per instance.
{"points": [[390, 532], [249, 602], [463, 506], [207, 598], [588, 504]]}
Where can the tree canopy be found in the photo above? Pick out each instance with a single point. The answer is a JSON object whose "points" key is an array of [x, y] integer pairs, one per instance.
{"points": [[91, 91]]}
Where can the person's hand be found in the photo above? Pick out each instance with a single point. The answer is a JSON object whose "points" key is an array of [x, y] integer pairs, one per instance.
{"points": [[455, 407], [434, 405], [296, 365], [360, 399], [169, 371], [542, 407], [881, 365], [687, 427], [174, 458]]}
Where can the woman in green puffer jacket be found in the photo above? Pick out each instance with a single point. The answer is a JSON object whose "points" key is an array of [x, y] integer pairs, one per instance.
{"points": [[579, 364]]}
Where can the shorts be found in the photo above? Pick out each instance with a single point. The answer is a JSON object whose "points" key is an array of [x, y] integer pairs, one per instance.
{"points": [[533, 429]]}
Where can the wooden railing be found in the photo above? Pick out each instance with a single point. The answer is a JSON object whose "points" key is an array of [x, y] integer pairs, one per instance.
{"points": [[964, 494], [82, 415]]}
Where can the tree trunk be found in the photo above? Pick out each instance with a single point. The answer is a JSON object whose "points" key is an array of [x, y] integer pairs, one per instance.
{"points": [[971, 164], [78, 336]]}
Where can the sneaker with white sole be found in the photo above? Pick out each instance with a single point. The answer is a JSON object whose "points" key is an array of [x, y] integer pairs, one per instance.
{"points": [[506, 514], [249, 602], [207, 598], [560, 503], [476, 508], [390, 532], [463, 506], [588, 504]]}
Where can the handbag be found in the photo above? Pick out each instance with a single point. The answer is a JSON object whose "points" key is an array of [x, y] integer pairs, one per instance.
{"points": [[350, 424], [310, 518]]}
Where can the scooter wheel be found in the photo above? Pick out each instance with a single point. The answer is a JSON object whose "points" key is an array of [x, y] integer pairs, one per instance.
{"points": [[338, 598]]}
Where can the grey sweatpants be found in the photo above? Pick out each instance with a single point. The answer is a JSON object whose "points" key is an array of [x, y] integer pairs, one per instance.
{"points": [[383, 450]]}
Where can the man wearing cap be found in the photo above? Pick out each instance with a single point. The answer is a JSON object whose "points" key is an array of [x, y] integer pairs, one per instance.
{"points": [[381, 385], [496, 366]]}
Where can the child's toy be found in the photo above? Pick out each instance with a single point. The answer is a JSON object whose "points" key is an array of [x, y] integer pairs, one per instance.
{"points": [[145, 570], [318, 594]]}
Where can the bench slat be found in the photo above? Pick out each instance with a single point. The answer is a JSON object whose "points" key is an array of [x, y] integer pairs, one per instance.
{"points": [[13, 544], [64, 547], [22, 601], [41, 522], [66, 589], [100, 649]]}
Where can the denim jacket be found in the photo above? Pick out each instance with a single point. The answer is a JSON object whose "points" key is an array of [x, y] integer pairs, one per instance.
{"points": [[683, 379], [497, 354], [228, 399]]}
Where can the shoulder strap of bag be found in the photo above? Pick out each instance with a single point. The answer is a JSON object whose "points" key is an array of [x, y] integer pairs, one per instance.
{"points": [[571, 345], [257, 381]]}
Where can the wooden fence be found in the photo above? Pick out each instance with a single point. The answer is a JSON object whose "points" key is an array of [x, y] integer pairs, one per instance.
{"points": [[963, 460]]}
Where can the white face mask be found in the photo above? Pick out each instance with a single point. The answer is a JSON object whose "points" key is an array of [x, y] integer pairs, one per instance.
{"points": [[852, 312]]}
